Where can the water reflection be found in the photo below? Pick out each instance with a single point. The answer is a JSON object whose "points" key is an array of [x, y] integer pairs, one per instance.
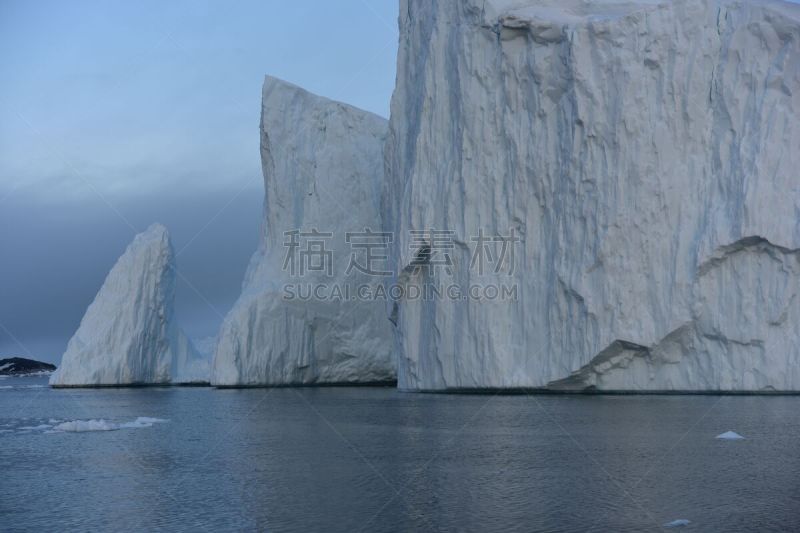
{"points": [[372, 459]]}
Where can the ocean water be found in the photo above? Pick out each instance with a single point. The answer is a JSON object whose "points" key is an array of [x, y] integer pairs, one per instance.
{"points": [[374, 459]]}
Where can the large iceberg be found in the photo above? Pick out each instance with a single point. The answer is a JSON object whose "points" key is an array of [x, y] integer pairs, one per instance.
{"points": [[128, 335], [323, 170], [610, 186], [640, 158]]}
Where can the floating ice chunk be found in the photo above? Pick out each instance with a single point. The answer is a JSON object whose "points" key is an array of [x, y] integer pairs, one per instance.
{"points": [[680, 522], [78, 426], [729, 435], [151, 420], [142, 422]]}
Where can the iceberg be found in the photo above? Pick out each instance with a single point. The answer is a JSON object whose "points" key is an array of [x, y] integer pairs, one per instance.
{"points": [[323, 169], [729, 435], [637, 160], [128, 335], [644, 156]]}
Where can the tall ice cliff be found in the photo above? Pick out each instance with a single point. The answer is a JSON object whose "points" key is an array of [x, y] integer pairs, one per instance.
{"points": [[645, 154], [128, 335], [323, 169]]}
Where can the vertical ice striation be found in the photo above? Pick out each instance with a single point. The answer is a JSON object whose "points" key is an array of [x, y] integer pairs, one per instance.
{"points": [[128, 335], [645, 152], [323, 168]]}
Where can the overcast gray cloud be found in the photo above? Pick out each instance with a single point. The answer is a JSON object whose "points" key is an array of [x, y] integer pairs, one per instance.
{"points": [[136, 112], [55, 259]]}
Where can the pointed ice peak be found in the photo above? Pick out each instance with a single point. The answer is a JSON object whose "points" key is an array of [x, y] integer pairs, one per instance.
{"points": [[156, 230], [286, 98], [319, 158], [153, 242], [128, 335]]}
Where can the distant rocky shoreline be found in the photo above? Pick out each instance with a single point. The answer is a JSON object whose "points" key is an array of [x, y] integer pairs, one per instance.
{"points": [[19, 366]]}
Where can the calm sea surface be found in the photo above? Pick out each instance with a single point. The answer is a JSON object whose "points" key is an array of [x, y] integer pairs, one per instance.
{"points": [[374, 459]]}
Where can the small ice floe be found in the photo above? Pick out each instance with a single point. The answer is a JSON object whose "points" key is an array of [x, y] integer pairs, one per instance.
{"points": [[729, 435], [142, 422], [680, 522], [40, 427], [80, 426]]}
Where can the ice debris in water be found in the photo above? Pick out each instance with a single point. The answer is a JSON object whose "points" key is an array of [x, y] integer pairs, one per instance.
{"points": [[729, 435], [143, 422], [37, 428], [681, 522], [85, 425], [77, 426]]}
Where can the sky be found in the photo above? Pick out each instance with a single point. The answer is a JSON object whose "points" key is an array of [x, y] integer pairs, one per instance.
{"points": [[117, 114]]}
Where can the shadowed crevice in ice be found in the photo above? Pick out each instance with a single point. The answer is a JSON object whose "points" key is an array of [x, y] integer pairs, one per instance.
{"points": [[749, 244], [617, 356], [726, 330]]}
